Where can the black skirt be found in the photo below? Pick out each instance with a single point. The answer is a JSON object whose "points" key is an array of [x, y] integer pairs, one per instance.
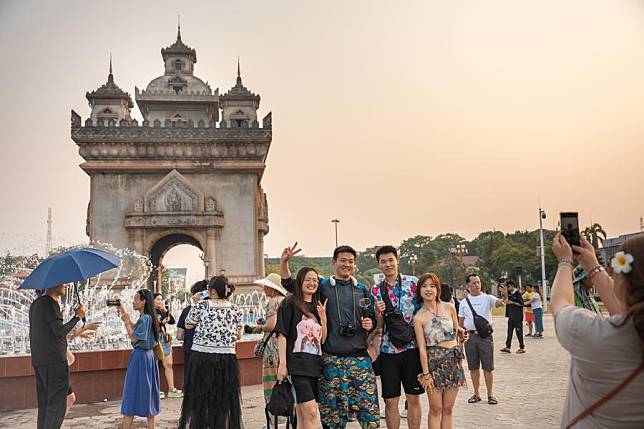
{"points": [[212, 394]]}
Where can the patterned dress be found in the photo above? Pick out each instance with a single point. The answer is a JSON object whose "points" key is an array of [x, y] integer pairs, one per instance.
{"points": [[271, 353]]}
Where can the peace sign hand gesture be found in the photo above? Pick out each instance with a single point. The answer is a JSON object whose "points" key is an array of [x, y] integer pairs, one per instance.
{"points": [[322, 310], [289, 252]]}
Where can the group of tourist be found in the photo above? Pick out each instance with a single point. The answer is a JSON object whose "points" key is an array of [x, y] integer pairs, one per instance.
{"points": [[330, 337]]}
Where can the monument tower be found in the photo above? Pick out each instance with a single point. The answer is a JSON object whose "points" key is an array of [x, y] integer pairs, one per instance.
{"points": [[182, 176]]}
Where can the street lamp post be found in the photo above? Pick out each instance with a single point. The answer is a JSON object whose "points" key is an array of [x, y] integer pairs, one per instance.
{"points": [[542, 253], [412, 260], [336, 222]]}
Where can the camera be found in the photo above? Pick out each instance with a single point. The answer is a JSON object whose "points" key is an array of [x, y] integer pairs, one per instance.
{"points": [[113, 302], [347, 330]]}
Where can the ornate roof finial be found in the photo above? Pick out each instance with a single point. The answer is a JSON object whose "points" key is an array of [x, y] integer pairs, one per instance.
{"points": [[110, 76], [239, 79], [178, 27]]}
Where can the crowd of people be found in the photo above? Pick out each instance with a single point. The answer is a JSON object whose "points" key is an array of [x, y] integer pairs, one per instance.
{"points": [[331, 337]]}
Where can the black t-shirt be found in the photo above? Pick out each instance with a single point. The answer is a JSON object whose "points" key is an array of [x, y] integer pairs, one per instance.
{"points": [[511, 310], [303, 338], [188, 334], [47, 333]]}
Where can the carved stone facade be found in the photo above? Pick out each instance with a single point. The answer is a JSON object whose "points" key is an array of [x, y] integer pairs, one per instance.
{"points": [[179, 176]]}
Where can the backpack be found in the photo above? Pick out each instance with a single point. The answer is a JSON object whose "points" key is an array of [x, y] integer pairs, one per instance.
{"points": [[281, 403], [483, 327]]}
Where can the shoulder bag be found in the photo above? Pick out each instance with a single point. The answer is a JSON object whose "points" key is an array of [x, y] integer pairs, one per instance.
{"points": [[483, 327]]}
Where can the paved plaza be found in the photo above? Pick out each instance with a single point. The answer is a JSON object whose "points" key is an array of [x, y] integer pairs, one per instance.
{"points": [[530, 389]]}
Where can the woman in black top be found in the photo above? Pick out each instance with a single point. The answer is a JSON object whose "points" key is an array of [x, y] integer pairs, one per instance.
{"points": [[301, 323], [165, 318]]}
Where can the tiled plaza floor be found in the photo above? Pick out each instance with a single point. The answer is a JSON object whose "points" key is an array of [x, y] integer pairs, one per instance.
{"points": [[530, 389]]}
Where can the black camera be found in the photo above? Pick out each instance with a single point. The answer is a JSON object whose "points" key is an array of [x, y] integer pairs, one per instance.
{"points": [[347, 330], [113, 302]]}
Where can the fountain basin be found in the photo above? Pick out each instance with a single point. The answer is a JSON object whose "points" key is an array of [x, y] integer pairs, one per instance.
{"points": [[99, 375]]}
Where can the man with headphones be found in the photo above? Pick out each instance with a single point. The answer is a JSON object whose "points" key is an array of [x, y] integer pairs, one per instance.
{"points": [[348, 385]]}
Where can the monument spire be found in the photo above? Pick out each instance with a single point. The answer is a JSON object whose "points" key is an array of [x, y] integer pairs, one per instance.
{"points": [[239, 79], [178, 27], [110, 76]]}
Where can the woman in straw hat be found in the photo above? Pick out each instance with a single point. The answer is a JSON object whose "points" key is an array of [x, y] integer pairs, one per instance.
{"points": [[275, 293]]}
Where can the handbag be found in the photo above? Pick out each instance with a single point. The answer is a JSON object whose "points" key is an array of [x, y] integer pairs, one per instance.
{"points": [[483, 327], [400, 332], [260, 347], [158, 351]]}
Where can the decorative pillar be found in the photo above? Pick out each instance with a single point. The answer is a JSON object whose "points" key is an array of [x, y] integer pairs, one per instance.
{"points": [[211, 252], [259, 266]]}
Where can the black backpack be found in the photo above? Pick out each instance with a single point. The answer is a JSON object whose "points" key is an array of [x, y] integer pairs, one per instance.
{"points": [[400, 332], [281, 404], [483, 327]]}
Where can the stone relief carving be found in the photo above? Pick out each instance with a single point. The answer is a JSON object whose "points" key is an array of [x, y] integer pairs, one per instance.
{"points": [[173, 201], [138, 205], [211, 204]]}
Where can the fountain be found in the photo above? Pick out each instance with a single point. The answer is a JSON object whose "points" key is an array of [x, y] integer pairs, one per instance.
{"points": [[101, 360]]}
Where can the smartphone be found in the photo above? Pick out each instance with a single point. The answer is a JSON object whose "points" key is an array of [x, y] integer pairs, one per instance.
{"points": [[570, 227], [113, 302], [203, 294], [364, 302]]}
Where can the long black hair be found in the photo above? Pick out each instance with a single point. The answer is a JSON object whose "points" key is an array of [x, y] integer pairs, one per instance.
{"points": [[148, 308], [298, 295]]}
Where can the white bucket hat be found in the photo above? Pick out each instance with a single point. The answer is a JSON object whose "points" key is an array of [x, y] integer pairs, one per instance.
{"points": [[273, 281]]}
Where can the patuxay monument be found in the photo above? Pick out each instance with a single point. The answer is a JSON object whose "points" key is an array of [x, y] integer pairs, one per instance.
{"points": [[190, 173]]}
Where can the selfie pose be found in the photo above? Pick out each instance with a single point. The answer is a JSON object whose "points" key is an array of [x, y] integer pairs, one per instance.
{"points": [[348, 384], [141, 387], [301, 324], [606, 383], [437, 334]]}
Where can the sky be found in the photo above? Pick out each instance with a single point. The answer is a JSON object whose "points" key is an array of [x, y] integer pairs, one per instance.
{"points": [[399, 119]]}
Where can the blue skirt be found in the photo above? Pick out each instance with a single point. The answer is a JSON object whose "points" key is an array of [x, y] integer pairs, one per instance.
{"points": [[141, 388]]}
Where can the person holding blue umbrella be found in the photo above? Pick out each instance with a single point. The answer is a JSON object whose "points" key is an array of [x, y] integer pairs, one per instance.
{"points": [[48, 338], [48, 334]]}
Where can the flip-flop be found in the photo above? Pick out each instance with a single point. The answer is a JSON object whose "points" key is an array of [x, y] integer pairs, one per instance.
{"points": [[474, 399], [492, 400]]}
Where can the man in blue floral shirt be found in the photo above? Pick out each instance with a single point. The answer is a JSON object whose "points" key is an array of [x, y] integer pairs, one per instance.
{"points": [[398, 365]]}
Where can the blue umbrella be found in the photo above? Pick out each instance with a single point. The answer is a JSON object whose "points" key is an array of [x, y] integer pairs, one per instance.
{"points": [[68, 267]]}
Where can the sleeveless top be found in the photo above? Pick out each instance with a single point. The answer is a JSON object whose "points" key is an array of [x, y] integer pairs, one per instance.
{"points": [[439, 329]]}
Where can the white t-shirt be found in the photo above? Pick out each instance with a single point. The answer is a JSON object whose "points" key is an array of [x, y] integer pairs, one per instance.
{"points": [[602, 356], [536, 301], [483, 305]]}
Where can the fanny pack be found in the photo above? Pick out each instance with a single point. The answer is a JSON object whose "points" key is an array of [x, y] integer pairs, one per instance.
{"points": [[400, 332]]}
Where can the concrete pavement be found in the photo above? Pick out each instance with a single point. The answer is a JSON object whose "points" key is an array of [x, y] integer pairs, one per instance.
{"points": [[530, 388]]}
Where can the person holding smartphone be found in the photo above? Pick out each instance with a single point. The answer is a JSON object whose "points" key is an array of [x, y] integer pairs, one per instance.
{"points": [[348, 384], [166, 318], [606, 383]]}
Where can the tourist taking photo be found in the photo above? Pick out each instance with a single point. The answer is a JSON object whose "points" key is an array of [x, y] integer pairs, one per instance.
{"points": [[606, 383]]}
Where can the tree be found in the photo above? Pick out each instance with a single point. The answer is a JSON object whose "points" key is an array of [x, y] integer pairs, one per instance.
{"points": [[595, 234]]}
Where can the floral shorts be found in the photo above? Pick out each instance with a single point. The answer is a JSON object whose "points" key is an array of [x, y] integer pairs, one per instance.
{"points": [[348, 387]]}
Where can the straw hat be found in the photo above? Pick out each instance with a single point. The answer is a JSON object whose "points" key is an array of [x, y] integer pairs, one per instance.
{"points": [[273, 281]]}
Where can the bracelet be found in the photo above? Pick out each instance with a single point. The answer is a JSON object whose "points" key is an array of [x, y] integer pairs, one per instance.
{"points": [[564, 262], [594, 271]]}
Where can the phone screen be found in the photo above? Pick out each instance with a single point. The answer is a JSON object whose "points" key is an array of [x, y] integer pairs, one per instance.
{"points": [[570, 227]]}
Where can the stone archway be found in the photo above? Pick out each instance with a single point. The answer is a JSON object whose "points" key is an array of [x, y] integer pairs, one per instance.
{"points": [[160, 248]]}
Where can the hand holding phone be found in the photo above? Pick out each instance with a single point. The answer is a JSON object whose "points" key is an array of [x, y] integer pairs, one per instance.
{"points": [[570, 227]]}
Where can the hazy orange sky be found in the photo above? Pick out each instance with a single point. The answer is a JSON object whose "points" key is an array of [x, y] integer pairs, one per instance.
{"points": [[398, 118]]}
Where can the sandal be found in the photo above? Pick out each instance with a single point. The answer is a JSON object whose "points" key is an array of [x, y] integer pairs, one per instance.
{"points": [[492, 400], [506, 350], [520, 351], [474, 399]]}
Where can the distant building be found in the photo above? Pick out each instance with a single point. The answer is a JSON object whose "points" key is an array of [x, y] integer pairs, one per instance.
{"points": [[610, 246]]}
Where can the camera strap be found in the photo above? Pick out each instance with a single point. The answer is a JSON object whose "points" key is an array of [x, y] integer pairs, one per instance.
{"points": [[337, 303]]}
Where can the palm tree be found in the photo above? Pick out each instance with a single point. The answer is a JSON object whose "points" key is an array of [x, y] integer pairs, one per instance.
{"points": [[595, 234]]}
